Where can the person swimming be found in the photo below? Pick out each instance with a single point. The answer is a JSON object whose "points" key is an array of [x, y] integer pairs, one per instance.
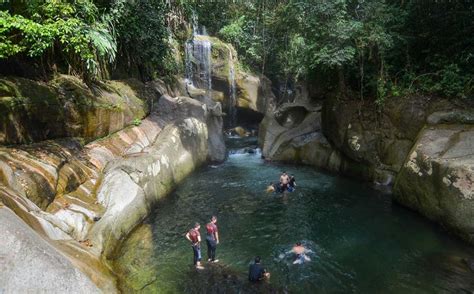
{"points": [[257, 272], [300, 253], [271, 188], [274, 188], [284, 180], [291, 184]]}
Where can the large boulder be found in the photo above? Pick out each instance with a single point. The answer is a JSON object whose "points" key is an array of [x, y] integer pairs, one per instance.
{"points": [[293, 134], [254, 93], [289, 122], [93, 195], [30, 264], [131, 186], [378, 140], [437, 178], [32, 111]]}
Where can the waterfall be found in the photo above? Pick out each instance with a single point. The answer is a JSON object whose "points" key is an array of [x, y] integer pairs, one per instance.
{"points": [[232, 112], [198, 59]]}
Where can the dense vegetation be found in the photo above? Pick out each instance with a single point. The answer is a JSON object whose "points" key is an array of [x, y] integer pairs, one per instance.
{"points": [[375, 48], [88, 38]]}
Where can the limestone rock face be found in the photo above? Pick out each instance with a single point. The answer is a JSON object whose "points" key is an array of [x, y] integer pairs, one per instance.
{"points": [[131, 186], [378, 141], [32, 111], [54, 184], [437, 178], [425, 147], [90, 196], [290, 122], [364, 138], [369, 143], [252, 92], [30, 264]]}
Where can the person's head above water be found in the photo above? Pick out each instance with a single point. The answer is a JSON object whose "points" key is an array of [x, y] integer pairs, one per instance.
{"points": [[298, 244], [257, 259]]}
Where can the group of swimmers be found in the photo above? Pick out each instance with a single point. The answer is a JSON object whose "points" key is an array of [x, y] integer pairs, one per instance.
{"points": [[286, 183], [256, 271]]}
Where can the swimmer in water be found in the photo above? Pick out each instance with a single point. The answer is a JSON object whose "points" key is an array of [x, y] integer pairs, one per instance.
{"points": [[271, 188], [257, 272], [284, 180], [300, 253]]}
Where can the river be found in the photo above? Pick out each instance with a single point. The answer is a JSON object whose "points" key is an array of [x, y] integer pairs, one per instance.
{"points": [[361, 241]]}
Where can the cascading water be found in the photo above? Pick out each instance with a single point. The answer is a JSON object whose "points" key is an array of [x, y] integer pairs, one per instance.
{"points": [[232, 93], [198, 60]]}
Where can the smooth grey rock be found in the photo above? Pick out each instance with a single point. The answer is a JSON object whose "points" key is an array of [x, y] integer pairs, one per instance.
{"points": [[437, 178], [132, 186], [28, 264], [451, 117]]}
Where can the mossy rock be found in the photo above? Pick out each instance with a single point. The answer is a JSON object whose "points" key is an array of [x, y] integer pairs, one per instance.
{"points": [[33, 111], [8, 89]]}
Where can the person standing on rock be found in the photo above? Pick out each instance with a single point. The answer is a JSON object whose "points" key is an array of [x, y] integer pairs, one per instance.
{"points": [[195, 238], [212, 239]]}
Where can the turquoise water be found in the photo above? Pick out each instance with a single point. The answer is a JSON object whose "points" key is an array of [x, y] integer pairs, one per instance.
{"points": [[361, 241]]}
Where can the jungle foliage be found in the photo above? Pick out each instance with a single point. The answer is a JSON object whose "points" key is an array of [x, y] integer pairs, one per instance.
{"points": [[90, 38], [375, 48]]}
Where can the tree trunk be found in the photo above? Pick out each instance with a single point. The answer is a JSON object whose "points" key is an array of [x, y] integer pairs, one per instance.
{"points": [[341, 79]]}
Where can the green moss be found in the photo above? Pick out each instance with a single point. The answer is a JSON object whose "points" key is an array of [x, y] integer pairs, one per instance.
{"points": [[68, 107], [7, 88]]}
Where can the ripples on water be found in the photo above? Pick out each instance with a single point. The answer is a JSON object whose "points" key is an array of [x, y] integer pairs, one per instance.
{"points": [[361, 242]]}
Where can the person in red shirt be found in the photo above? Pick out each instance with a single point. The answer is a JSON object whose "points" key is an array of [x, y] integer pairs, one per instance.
{"points": [[195, 238], [212, 239]]}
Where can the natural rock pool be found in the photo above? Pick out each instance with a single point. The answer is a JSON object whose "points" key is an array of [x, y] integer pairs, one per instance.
{"points": [[362, 242]]}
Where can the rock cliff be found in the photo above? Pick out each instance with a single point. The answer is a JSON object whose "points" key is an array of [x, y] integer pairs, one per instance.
{"points": [[421, 145]]}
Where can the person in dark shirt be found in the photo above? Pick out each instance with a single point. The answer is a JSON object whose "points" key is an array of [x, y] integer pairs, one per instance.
{"points": [[257, 272], [212, 239], [292, 184], [195, 238]]}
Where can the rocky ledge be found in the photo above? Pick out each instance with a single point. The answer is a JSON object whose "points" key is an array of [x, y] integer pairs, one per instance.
{"points": [[81, 197]]}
